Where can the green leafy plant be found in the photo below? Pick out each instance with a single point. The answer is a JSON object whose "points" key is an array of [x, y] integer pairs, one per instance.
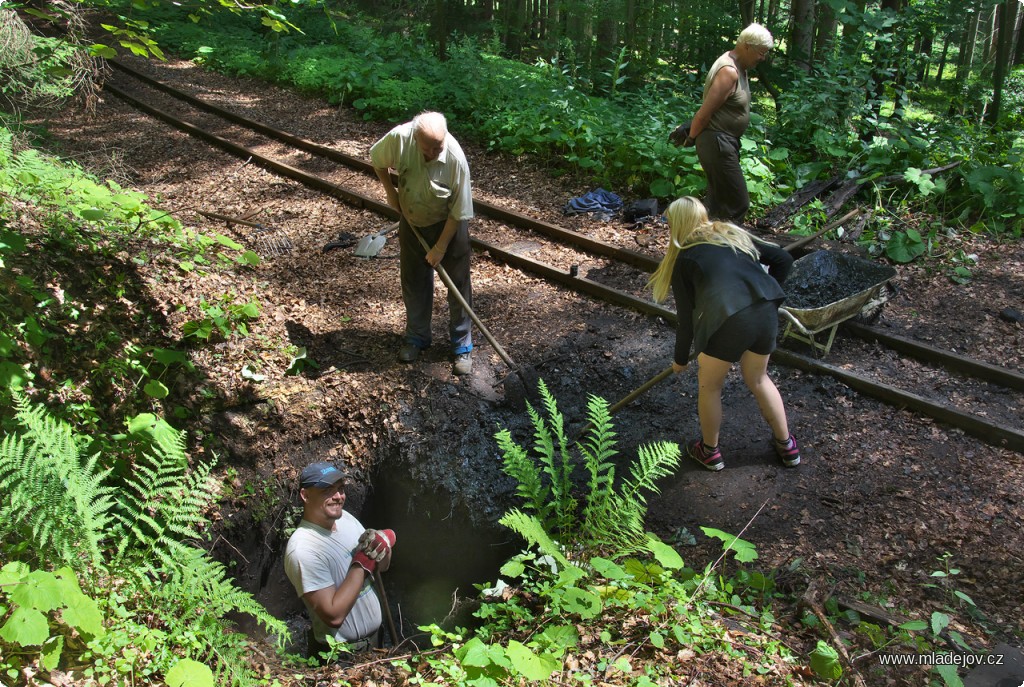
{"points": [[611, 516], [41, 612], [65, 510], [811, 218], [55, 497], [223, 318]]}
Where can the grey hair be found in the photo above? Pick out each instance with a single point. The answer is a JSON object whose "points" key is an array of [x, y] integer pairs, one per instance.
{"points": [[430, 122], [757, 36]]}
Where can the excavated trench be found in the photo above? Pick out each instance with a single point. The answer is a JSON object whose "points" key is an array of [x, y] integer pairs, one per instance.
{"points": [[439, 486], [437, 478]]}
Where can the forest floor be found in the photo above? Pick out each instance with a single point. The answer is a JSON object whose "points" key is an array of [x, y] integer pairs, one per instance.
{"points": [[884, 497]]}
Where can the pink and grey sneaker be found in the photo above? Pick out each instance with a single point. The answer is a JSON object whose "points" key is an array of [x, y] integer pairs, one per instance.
{"points": [[709, 459], [787, 451]]}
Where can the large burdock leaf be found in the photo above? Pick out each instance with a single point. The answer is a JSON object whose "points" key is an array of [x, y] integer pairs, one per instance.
{"points": [[25, 627], [530, 665], [189, 673]]}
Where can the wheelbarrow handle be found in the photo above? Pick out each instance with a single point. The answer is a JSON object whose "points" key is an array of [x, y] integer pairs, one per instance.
{"points": [[462, 301], [793, 320]]}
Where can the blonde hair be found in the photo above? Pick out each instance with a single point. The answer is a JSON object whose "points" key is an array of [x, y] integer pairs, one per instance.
{"points": [[688, 226], [757, 36]]}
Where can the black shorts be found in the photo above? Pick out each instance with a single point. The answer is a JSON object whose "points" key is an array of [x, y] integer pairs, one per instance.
{"points": [[753, 329]]}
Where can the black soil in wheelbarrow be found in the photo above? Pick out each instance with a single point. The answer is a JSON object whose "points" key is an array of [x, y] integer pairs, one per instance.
{"points": [[826, 277]]}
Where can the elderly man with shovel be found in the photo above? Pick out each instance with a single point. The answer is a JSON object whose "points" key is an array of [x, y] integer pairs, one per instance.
{"points": [[434, 197]]}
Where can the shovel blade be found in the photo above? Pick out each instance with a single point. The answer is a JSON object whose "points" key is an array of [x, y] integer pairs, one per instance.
{"points": [[369, 246]]}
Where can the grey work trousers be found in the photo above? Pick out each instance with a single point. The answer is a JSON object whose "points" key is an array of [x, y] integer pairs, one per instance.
{"points": [[727, 198], [418, 285]]}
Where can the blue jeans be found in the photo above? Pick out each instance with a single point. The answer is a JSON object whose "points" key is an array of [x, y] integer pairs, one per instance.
{"points": [[418, 285]]}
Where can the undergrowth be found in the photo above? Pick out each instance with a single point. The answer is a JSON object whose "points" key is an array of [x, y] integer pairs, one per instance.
{"points": [[102, 571], [820, 126]]}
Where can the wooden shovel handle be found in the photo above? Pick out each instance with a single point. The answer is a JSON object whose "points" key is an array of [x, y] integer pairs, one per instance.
{"points": [[462, 301]]}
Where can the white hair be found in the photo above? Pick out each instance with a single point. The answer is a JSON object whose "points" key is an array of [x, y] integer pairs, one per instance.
{"points": [[757, 36], [431, 123]]}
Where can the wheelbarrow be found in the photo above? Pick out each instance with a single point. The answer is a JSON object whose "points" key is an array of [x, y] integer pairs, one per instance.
{"points": [[825, 289]]}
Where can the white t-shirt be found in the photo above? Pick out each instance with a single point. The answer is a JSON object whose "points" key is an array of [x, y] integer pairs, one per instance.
{"points": [[317, 558], [428, 191]]}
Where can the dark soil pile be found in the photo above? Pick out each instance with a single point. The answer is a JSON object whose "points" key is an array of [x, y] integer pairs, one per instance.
{"points": [[826, 277]]}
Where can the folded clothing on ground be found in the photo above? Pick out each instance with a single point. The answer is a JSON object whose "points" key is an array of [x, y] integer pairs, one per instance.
{"points": [[597, 201]]}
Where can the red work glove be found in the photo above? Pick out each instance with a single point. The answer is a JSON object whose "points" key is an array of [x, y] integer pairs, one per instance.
{"points": [[363, 561], [376, 544]]}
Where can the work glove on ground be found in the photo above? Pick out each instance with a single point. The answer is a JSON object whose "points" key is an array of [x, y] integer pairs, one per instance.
{"points": [[376, 544]]}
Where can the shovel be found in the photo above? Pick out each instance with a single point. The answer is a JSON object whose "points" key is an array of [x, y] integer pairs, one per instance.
{"points": [[392, 630], [629, 398], [476, 320], [370, 246]]}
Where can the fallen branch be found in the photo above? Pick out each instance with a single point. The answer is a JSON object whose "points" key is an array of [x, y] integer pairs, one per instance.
{"points": [[810, 601], [800, 243]]}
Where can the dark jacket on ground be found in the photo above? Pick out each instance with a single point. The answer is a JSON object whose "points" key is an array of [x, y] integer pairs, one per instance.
{"points": [[711, 282]]}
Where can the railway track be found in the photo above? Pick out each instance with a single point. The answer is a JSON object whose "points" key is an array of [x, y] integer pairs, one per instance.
{"points": [[990, 395]]}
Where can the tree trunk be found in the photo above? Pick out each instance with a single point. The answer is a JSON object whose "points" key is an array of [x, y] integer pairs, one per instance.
{"points": [[991, 28], [967, 44], [772, 18], [942, 60], [825, 33], [923, 50], [801, 37], [439, 28], [1018, 55], [515, 26], [746, 12], [1007, 22], [606, 50]]}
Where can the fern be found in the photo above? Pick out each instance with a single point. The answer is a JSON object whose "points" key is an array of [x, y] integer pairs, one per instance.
{"points": [[611, 520], [598, 450], [532, 530], [162, 504], [560, 471], [198, 591], [55, 498], [519, 466]]}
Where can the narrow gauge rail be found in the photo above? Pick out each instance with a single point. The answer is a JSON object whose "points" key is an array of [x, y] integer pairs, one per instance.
{"points": [[1001, 434]]}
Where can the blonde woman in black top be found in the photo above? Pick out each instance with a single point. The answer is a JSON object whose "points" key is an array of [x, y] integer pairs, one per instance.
{"points": [[727, 307]]}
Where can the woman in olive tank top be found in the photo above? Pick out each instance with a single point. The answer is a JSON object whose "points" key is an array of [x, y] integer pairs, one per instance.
{"points": [[721, 120]]}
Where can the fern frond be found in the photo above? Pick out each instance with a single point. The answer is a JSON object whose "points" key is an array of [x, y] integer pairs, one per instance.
{"points": [[517, 464], [557, 465], [653, 462], [55, 499], [532, 530], [162, 504]]}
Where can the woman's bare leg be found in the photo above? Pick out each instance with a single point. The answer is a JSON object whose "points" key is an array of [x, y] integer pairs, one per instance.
{"points": [[754, 368], [711, 374]]}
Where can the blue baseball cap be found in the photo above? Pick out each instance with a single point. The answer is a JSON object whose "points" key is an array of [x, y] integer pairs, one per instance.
{"points": [[320, 475]]}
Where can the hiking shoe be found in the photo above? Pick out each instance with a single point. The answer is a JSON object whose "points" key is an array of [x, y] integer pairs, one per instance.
{"points": [[463, 364], [787, 451], [409, 352], [708, 459]]}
